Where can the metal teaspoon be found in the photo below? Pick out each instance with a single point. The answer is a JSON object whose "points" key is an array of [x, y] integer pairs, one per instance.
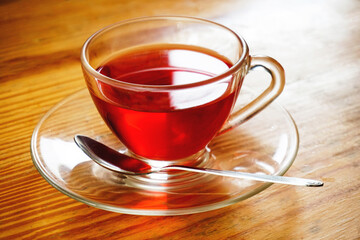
{"points": [[121, 163]]}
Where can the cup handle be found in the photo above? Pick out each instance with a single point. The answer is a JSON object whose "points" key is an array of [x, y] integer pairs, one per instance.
{"points": [[265, 98]]}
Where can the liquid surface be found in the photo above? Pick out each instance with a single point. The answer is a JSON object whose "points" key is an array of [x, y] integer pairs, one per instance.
{"points": [[165, 125]]}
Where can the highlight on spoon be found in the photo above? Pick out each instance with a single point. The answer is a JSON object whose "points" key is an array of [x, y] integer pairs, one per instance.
{"points": [[109, 158], [315, 183]]}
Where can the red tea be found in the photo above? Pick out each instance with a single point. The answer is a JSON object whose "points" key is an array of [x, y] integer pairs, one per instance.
{"points": [[165, 124]]}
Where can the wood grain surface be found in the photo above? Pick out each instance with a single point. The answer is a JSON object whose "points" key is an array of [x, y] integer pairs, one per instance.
{"points": [[317, 42]]}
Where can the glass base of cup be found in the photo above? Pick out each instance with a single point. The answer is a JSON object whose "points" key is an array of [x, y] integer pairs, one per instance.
{"points": [[173, 179]]}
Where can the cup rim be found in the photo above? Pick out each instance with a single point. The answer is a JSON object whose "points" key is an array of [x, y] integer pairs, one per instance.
{"points": [[85, 63]]}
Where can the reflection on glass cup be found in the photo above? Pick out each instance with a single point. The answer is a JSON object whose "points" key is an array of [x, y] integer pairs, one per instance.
{"points": [[167, 85]]}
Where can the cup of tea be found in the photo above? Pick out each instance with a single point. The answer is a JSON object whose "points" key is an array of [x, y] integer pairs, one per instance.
{"points": [[167, 85]]}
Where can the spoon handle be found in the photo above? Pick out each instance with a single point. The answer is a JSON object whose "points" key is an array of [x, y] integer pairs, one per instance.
{"points": [[252, 176]]}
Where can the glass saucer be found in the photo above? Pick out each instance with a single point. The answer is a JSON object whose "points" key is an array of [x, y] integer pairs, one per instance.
{"points": [[267, 143]]}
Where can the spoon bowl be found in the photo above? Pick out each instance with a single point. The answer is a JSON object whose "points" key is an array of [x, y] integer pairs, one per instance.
{"points": [[121, 163]]}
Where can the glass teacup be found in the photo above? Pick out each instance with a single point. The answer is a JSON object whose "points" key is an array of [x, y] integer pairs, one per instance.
{"points": [[167, 85]]}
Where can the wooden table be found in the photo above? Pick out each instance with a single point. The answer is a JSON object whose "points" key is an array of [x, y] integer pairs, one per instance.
{"points": [[318, 43]]}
